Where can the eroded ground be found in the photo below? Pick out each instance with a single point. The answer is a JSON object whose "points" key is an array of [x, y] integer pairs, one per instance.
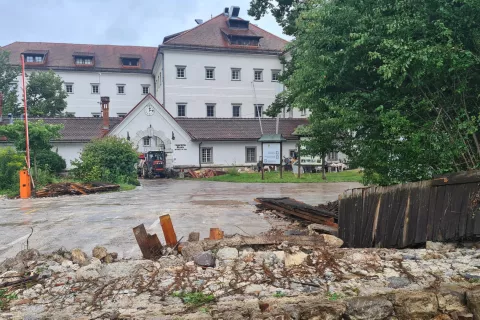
{"points": [[107, 219]]}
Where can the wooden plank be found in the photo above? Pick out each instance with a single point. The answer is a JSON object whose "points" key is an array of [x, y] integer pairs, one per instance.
{"points": [[415, 195], [216, 234], [454, 214], [375, 220], [304, 215], [457, 178], [404, 241], [431, 212], [194, 236], [168, 231], [149, 244], [472, 210], [398, 214]]}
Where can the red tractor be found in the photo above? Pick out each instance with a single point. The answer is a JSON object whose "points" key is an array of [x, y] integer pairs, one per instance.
{"points": [[151, 164]]}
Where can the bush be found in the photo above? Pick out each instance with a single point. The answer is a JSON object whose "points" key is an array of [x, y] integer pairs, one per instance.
{"points": [[50, 161], [110, 159], [11, 162]]}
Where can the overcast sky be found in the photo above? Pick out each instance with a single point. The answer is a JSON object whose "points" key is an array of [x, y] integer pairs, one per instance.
{"points": [[120, 22]]}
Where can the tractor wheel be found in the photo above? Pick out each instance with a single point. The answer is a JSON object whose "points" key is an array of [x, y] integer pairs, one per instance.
{"points": [[144, 172]]}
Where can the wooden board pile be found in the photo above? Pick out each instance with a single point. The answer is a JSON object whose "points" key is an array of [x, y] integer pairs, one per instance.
{"points": [[69, 188], [204, 173], [300, 210]]}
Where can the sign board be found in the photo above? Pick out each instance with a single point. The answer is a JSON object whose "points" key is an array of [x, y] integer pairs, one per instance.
{"points": [[272, 153], [180, 147]]}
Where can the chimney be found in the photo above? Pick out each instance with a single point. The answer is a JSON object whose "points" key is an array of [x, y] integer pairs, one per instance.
{"points": [[234, 11], [1, 106], [225, 12], [105, 102]]}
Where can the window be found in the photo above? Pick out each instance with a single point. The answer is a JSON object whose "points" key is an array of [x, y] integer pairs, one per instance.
{"points": [[235, 74], [145, 89], [181, 110], [83, 60], [121, 114], [28, 58], [209, 73], [275, 74], [120, 89], [181, 74], [332, 156], [38, 59], [303, 113], [207, 155], [251, 154], [96, 114], [130, 62], [258, 110], [95, 88], [236, 111], [69, 87], [210, 110], [292, 153], [258, 75], [146, 142]]}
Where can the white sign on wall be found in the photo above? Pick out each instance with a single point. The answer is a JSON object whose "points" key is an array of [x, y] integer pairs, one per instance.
{"points": [[271, 153]]}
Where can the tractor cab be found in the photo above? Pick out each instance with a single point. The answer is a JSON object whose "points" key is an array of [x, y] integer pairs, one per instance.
{"points": [[152, 164]]}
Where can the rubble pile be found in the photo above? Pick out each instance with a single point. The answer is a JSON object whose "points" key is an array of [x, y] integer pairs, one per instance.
{"points": [[70, 188], [238, 282]]}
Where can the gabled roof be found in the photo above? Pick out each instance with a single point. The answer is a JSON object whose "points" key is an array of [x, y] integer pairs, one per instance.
{"points": [[210, 34], [76, 129], [238, 129], [60, 56]]}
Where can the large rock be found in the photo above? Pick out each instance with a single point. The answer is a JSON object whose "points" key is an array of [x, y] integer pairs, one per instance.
{"points": [[368, 308], [331, 241], [205, 259], [191, 249], [79, 257], [99, 252], [227, 254], [440, 246], [315, 228], [415, 305], [295, 259], [90, 272], [473, 303], [20, 262]]}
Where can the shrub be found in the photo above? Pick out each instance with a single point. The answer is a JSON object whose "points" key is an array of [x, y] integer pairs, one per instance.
{"points": [[11, 162], [50, 161], [110, 159]]}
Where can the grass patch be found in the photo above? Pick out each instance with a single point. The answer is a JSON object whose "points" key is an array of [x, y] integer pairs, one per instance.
{"points": [[290, 177], [333, 296], [126, 187], [5, 298], [195, 298], [279, 294]]}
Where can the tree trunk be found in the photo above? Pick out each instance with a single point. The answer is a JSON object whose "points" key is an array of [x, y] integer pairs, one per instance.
{"points": [[324, 176], [35, 164]]}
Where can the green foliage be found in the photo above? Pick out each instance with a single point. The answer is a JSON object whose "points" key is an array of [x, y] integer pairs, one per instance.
{"points": [[279, 294], [195, 298], [46, 96], [333, 296], [11, 162], [233, 171], [285, 12], [5, 298], [290, 177], [8, 85], [50, 161], [393, 84], [110, 159]]}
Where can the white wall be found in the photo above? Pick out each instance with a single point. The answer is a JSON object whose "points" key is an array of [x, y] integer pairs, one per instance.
{"points": [[83, 102], [196, 91], [68, 151]]}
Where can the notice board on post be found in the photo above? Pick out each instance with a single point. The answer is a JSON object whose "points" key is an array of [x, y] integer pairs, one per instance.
{"points": [[272, 153]]}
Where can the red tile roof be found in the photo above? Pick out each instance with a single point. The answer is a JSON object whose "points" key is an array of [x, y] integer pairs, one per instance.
{"points": [[236, 129], [209, 34], [60, 55]]}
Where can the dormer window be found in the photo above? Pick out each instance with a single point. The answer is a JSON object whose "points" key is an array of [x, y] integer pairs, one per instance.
{"points": [[34, 58], [84, 59], [130, 62]]}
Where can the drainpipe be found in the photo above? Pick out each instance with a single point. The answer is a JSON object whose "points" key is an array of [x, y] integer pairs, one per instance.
{"points": [[163, 77], [200, 155]]}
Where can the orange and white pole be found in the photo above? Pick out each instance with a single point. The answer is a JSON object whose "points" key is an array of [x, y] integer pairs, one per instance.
{"points": [[27, 144]]}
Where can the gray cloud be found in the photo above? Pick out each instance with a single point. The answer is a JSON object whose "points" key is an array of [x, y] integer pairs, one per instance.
{"points": [[120, 22]]}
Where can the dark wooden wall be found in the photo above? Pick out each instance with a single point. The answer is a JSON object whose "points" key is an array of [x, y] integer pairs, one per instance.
{"points": [[444, 209]]}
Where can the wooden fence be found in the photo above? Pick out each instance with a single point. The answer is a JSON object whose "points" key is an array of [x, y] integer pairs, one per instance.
{"points": [[443, 209]]}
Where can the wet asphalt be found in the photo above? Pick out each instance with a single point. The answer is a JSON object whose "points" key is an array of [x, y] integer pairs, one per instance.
{"points": [[107, 219]]}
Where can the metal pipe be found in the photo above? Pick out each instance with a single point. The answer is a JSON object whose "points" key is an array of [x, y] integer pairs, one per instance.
{"points": [[27, 144], [163, 77], [200, 155]]}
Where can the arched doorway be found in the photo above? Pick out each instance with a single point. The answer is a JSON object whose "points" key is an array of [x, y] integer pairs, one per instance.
{"points": [[150, 143]]}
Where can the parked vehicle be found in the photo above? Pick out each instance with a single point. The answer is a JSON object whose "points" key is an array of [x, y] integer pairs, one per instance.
{"points": [[151, 164]]}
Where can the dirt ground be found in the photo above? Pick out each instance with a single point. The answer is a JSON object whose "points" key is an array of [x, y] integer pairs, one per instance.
{"points": [[108, 219]]}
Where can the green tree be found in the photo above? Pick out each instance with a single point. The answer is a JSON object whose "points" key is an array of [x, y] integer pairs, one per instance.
{"points": [[10, 163], [46, 96], [398, 78], [40, 137], [9, 86], [285, 12], [110, 159]]}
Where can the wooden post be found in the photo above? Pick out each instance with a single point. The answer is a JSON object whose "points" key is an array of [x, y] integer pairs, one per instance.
{"points": [[281, 160], [149, 244], [216, 234], [194, 236], [298, 161], [168, 231]]}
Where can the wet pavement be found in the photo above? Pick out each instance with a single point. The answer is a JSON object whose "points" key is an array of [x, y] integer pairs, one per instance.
{"points": [[108, 219]]}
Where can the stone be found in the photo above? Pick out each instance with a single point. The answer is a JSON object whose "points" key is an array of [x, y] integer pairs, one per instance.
{"points": [[114, 255], [67, 263], [331, 241], [227, 254], [9, 276], [315, 228], [205, 259], [452, 300], [398, 282], [79, 257], [89, 272], [295, 259], [99, 252], [440, 246], [369, 308], [253, 289], [109, 259], [191, 249], [415, 305], [30, 293], [473, 302]]}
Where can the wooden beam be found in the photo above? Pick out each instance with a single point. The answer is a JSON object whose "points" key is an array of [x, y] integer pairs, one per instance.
{"points": [[168, 231], [149, 244], [216, 234], [194, 236]]}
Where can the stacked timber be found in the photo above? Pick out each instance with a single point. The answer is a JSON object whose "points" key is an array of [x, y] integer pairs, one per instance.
{"points": [[69, 188]]}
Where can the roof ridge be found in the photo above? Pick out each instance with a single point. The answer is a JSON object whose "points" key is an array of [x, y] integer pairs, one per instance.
{"points": [[80, 44], [194, 28]]}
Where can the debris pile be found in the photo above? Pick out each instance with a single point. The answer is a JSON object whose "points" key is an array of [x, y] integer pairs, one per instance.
{"points": [[70, 188], [204, 173]]}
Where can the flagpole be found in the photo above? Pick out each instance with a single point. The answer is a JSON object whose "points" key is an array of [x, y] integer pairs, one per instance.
{"points": [[27, 144]]}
